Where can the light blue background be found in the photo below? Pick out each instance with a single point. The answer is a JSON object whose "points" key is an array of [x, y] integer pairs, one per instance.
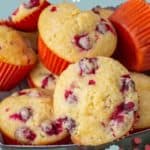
{"points": [[7, 6]]}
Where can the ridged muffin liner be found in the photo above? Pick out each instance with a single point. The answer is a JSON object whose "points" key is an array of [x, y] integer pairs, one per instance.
{"points": [[11, 75], [51, 60], [132, 22], [28, 23]]}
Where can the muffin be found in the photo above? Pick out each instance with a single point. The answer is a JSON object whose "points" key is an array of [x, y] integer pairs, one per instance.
{"points": [[67, 34], [99, 95], [103, 12], [143, 87], [40, 77], [27, 118], [25, 17], [16, 58], [131, 21]]}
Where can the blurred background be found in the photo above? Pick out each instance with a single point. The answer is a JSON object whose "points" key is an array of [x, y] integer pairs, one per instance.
{"points": [[7, 6]]}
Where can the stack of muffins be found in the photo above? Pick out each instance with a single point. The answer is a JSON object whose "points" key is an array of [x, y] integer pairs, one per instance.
{"points": [[77, 91]]}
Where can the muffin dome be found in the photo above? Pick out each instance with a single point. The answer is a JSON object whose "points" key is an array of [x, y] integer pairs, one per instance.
{"points": [[99, 95], [73, 34], [13, 48], [27, 118], [26, 9]]}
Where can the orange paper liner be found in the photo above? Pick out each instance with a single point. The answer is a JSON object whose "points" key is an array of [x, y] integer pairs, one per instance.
{"points": [[29, 23], [11, 75], [132, 22], [53, 62]]}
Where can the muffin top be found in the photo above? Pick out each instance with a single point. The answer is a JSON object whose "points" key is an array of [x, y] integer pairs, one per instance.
{"points": [[13, 48], [30, 113], [43, 78], [99, 95], [26, 9], [73, 34]]}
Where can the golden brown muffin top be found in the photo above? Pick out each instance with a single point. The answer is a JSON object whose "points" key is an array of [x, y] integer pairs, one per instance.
{"points": [[13, 48]]}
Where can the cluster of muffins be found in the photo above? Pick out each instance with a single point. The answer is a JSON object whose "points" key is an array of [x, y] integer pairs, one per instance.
{"points": [[77, 90]]}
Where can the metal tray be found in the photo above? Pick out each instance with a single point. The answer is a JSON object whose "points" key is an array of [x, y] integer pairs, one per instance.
{"points": [[126, 143]]}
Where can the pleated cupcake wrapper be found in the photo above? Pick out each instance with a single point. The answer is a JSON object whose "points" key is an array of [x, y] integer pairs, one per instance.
{"points": [[30, 82], [29, 23], [133, 17], [11, 75], [51, 61]]}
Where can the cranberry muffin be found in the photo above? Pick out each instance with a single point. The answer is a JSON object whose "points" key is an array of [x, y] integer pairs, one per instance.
{"points": [[16, 58], [99, 95], [67, 34], [25, 17], [27, 118], [40, 77]]}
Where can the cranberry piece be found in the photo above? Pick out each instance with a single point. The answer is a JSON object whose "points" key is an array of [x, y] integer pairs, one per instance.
{"points": [[119, 118], [118, 110], [92, 82], [69, 124], [88, 66], [53, 9], [57, 126], [16, 117], [66, 123], [31, 4], [126, 83], [123, 107], [46, 80], [52, 128], [83, 42], [25, 134], [104, 27], [24, 114], [129, 106], [96, 10], [48, 128], [70, 96]]}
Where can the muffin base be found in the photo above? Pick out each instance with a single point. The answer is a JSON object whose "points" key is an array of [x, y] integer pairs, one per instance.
{"points": [[51, 61], [11, 75]]}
